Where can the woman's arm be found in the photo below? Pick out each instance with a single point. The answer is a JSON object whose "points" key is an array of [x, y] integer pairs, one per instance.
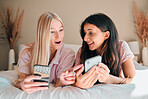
{"points": [[27, 84], [68, 77], [128, 70]]}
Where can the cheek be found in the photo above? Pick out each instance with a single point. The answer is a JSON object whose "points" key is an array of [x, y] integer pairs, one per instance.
{"points": [[51, 41], [99, 40], [62, 36], [52, 36]]}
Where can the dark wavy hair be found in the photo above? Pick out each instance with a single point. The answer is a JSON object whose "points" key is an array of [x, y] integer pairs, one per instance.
{"points": [[110, 50]]}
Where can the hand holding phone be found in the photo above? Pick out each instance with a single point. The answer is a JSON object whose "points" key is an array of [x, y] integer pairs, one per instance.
{"points": [[29, 86], [91, 62]]}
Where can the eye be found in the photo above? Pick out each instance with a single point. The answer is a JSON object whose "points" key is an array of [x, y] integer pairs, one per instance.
{"points": [[52, 31], [90, 33], [61, 30]]}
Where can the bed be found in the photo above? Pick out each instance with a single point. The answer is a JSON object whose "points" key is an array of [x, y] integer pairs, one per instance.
{"points": [[137, 90]]}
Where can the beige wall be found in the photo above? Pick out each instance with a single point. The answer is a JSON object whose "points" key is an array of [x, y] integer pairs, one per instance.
{"points": [[72, 12]]}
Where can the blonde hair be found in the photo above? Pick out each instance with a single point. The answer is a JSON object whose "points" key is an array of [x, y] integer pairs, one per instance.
{"points": [[40, 50]]}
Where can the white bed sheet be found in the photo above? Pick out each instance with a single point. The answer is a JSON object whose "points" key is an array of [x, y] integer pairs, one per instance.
{"points": [[137, 90]]}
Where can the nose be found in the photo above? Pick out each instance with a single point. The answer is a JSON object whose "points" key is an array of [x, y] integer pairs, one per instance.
{"points": [[86, 38], [58, 35]]}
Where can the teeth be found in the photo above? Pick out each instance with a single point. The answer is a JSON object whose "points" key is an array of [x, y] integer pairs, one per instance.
{"points": [[90, 43], [58, 42]]}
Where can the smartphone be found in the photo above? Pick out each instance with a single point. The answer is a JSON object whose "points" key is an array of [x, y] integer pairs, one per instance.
{"points": [[91, 62], [44, 72]]}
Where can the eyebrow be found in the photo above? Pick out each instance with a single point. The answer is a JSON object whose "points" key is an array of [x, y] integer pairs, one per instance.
{"points": [[60, 27], [89, 29]]}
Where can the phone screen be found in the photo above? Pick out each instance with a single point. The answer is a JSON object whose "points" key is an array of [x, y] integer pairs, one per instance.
{"points": [[91, 62], [44, 72]]}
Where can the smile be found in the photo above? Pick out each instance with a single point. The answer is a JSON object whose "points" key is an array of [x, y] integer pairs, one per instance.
{"points": [[89, 44]]}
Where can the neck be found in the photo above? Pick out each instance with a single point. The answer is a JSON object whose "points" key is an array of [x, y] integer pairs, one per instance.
{"points": [[52, 54], [52, 51], [98, 50]]}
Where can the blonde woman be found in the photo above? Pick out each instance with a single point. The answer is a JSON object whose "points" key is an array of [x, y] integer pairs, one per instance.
{"points": [[48, 49]]}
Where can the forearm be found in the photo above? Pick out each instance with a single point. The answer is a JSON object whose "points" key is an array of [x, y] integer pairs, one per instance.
{"points": [[118, 80]]}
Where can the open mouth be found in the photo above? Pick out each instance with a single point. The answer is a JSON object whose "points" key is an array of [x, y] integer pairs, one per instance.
{"points": [[89, 44], [58, 42]]}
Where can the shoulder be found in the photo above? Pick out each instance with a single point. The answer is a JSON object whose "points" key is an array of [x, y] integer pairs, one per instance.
{"points": [[79, 51], [125, 51], [26, 50], [123, 43], [124, 46], [77, 61], [25, 58]]}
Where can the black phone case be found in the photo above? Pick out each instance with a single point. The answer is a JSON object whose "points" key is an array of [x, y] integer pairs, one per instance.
{"points": [[44, 72]]}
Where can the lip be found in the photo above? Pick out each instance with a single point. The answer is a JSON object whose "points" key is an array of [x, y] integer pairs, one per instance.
{"points": [[89, 44], [58, 42]]}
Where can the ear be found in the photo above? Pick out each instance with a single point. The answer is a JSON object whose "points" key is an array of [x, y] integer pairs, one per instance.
{"points": [[106, 34]]}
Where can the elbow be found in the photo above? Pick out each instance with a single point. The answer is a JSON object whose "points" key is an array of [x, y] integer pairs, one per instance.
{"points": [[129, 80], [131, 77]]}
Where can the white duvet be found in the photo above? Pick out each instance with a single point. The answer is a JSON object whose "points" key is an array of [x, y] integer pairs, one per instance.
{"points": [[137, 90]]}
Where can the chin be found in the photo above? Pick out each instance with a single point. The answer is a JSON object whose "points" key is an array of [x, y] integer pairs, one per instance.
{"points": [[58, 47], [91, 49]]}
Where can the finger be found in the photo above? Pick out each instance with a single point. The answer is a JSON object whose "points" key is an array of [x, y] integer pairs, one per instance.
{"points": [[101, 78], [31, 78], [69, 82], [91, 77], [101, 65], [77, 67], [101, 71], [32, 84], [70, 74], [102, 75], [79, 72], [70, 78], [89, 73], [94, 80], [34, 89], [65, 73]]}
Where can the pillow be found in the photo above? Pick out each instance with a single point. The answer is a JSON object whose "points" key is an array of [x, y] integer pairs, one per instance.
{"points": [[75, 47], [139, 66], [8, 77]]}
